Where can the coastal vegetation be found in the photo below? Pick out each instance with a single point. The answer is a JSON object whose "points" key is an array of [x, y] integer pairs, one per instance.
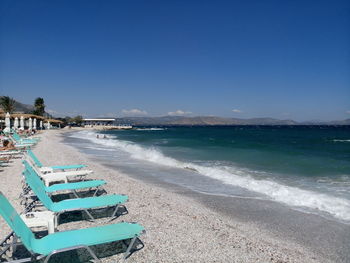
{"points": [[39, 106], [77, 120], [7, 104]]}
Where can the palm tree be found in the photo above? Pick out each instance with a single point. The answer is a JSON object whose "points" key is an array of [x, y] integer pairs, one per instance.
{"points": [[39, 106], [7, 104]]}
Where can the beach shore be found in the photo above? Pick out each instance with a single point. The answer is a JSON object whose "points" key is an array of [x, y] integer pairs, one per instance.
{"points": [[179, 227]]}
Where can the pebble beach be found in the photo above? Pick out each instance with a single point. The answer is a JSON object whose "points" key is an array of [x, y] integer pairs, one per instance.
{"points": [[178, 228]]}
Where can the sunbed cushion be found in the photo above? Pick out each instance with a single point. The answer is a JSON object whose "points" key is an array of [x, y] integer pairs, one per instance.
{"points": [[64, 167], [74, 186], [88, 202], [87, 237]]}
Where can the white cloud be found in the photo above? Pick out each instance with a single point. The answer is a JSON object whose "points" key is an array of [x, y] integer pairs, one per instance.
{"points": [[179, 113], [134, 112], [237, 111]]}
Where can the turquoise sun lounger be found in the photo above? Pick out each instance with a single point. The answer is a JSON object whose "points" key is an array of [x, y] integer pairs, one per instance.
{"points": [[68, 205], [18, 139], [22, 142], [57, 167], [72, 187], [60, 242], [25, 137]]}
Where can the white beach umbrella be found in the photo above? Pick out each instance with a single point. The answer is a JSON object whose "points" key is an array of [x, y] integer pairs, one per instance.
{"points": [[15, 124], [21, 123], [41, 125], [7, 123], [30, 124], [34, 124]]}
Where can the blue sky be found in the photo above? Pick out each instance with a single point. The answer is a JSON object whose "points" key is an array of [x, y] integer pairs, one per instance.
{"points": [[282, 59]]}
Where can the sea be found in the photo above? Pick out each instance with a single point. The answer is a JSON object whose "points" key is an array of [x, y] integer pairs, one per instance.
{"points": [[306, 168]]}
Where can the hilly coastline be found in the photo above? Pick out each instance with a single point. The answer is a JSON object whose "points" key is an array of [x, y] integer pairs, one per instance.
{"points": [[211, 120]]}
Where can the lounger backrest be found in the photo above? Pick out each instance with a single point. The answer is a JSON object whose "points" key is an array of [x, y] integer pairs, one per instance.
{"points": [[16, 136], [35, 168], [32, 173], [37, 186], [34, 158], [15, 222]]}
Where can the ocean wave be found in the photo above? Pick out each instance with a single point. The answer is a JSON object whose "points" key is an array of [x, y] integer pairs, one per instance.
{"points": [[150, 129], [338, 140], [293, 196]]}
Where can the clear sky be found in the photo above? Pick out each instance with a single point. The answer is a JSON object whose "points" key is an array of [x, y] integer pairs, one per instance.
{"points": [[282, 59]]}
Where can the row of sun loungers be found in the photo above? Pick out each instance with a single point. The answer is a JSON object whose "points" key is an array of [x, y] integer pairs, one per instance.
{"points": [[40, 187]]}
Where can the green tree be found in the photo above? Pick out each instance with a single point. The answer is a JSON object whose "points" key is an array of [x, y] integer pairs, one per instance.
{"points": [[78, 119], [7, 104], [39, 106]]}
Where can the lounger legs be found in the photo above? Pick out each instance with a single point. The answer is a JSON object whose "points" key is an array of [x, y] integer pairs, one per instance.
{"points": [[127, 252], [57, 215], [115, 212], [75, 193], [72, 248], [5, 245], [89, 214], [9, 243], [96, 191], [112, 217]]}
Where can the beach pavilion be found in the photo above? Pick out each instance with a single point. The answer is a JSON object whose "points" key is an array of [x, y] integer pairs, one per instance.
{"points": [[20, 116], [50, 123]]}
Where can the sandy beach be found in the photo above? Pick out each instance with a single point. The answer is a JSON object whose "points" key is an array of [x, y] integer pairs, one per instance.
{"points": [[179, 227]]}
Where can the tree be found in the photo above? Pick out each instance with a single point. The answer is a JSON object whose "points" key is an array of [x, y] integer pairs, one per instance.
{"points": [[78, 119], [39, 106], [7, 104]]}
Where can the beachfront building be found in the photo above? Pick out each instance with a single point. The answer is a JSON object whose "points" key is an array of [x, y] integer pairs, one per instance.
{"points": [[104, 123], [98, 122]]}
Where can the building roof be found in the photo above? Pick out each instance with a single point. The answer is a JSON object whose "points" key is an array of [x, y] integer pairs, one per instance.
{"points": [[53, 121], [100, 119], [18, 115]]}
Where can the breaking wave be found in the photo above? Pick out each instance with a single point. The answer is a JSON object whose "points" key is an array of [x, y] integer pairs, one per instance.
{"points": [[293, 196], [150, 129]]}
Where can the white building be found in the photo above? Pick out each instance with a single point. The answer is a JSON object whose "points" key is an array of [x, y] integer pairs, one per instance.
{"points": [[98, 122]]}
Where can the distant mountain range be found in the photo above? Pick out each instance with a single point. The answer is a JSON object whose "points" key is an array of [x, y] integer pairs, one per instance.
{"points": [[209, 120], [22, 108], [200, 120]]}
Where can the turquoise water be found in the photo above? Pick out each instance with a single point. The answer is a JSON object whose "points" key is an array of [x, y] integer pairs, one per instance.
{"points": [[301, 166], [296, 151]]}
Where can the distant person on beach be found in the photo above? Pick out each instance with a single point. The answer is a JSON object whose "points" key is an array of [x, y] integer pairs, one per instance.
{"points": [[97, 136], [7, 145]]}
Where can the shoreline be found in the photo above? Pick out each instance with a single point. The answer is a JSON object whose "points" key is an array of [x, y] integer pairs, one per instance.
{"points": [[279, 220], [181, 225]]}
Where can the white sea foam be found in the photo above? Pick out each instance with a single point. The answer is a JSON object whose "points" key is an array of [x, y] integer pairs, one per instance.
{"points": [[336, 140], [338, 207], [150, 129]]}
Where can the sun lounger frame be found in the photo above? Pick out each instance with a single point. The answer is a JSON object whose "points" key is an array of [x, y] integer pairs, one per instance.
{"points": [[86, 210], [11, 240], [4, 243]]}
